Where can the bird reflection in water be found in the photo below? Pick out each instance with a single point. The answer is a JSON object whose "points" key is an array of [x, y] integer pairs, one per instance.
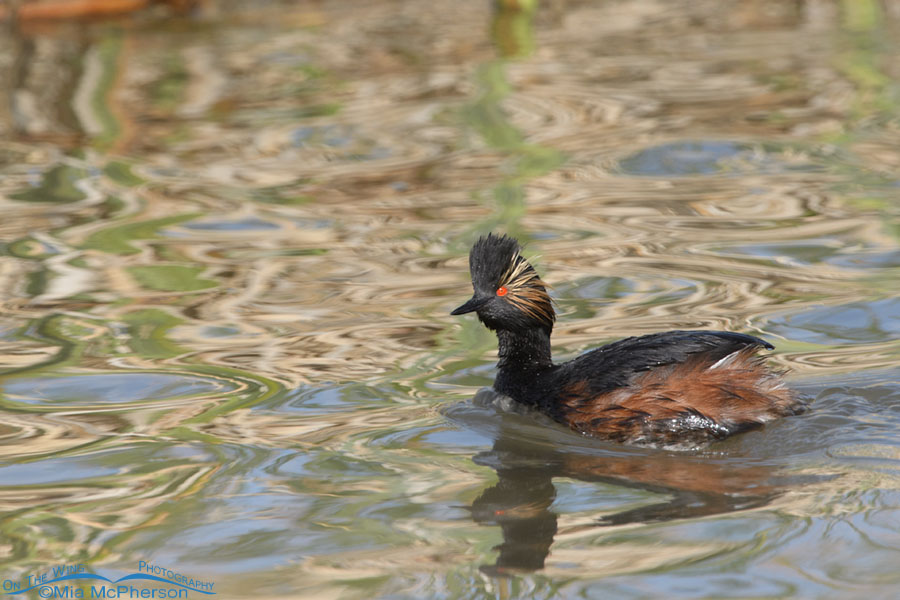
{"points": [[527, 456]]}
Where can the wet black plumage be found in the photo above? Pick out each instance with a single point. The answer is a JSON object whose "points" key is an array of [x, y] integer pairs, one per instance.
{"points": [[670, 388]]}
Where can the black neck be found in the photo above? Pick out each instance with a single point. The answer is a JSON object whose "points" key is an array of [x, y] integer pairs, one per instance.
{"points": [[524, 350]]}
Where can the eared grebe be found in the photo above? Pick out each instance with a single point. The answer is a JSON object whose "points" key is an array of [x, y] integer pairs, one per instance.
{"points": [[676, 388]]}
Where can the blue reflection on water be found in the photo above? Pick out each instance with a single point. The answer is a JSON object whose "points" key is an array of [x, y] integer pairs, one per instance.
{"points": [[111, 388]]}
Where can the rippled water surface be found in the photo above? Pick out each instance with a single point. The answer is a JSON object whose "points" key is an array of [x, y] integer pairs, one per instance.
{"points": [[231, 240]]}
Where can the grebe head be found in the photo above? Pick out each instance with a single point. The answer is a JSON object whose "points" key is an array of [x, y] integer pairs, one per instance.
{"points": [[509, 294]]}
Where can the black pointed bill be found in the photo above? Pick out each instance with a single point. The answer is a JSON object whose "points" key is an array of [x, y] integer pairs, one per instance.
{"points": [[472, 305]]}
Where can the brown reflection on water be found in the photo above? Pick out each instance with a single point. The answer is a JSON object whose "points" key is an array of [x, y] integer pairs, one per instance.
{"points": [[27, 435], [527, 463]]}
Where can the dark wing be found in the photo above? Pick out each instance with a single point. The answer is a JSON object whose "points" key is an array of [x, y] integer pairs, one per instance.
{"points": [[616, 365]]}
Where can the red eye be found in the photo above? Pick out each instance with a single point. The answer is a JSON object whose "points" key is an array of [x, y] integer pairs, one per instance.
{"points": [[502, 291]]}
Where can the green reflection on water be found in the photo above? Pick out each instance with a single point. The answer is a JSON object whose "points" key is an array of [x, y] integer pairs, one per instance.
{"points": [[71, 335], [147, 331], [877, 93], [171, 278], [104, 124], [121, 173], [487, 117], [512, 28], [58, 184], [117, 239], [168, 90], [258, 389]]}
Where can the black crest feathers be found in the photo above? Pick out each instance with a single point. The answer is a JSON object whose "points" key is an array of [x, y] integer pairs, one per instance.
{"points": [[490, 258], [499, 270]]}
